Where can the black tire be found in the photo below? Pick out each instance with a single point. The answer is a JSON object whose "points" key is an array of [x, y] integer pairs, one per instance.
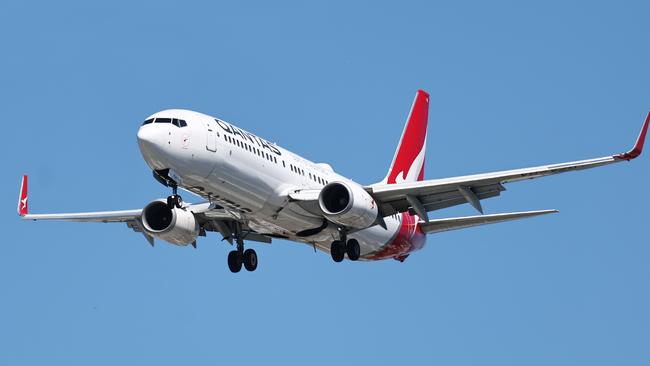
{"points": [[353, 250], [337, 250], [234, 261], [170, 202], [178, 201], [250, 260]]}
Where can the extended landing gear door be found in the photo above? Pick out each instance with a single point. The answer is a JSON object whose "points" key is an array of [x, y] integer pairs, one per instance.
{"points": [[211, 143]]}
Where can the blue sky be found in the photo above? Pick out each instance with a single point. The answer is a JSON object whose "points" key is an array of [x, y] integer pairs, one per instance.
{"points": [[512, 85]]}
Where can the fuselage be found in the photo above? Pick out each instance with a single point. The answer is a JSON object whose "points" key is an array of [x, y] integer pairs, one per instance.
{"points": [[252, 179]]}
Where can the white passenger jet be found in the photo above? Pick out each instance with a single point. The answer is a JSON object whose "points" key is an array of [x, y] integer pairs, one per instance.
{"points": [[256, 191]]}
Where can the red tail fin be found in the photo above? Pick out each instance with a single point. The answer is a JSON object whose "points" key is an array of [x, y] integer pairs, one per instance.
{"points": [[22, 200], [408, 163]]}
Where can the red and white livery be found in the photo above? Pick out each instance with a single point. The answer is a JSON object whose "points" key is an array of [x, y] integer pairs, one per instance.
{"points": [[257, 191]]}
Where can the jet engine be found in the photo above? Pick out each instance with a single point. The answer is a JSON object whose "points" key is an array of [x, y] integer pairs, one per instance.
{"points": [[173, 225], [348, 204]]}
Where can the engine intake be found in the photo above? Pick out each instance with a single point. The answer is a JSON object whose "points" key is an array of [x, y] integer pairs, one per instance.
{"points": [[348, 204], [175, 226]]}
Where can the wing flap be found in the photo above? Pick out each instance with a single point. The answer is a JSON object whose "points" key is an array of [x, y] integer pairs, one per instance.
{"points": [[439, 200], [455, 223]]}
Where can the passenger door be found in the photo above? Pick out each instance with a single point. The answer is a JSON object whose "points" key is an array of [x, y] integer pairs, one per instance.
{"points": [[211, 143]]}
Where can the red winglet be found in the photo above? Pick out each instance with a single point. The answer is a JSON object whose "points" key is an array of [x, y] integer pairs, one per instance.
{"points": [[22, 200], [638, 147]]}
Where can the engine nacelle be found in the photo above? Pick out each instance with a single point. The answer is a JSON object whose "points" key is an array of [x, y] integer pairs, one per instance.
{"points": [[174, 226], [348, 204]]}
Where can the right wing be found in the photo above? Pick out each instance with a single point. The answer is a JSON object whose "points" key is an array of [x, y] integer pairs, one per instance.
{"points": [[210, 217], [424, 196]]}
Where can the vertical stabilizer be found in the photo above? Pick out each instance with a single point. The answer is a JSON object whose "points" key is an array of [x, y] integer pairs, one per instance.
{"points": [[408, 162]]}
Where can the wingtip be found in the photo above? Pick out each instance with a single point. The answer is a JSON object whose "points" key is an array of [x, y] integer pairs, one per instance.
{"points": [[638, 146], [23, 207], [423, 92]]}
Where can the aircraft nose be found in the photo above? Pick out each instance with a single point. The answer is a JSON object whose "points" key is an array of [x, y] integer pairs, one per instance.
{"points": [[152, 145], [146, 135]]}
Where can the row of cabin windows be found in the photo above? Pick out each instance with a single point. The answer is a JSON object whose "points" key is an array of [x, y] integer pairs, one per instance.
{"points": [[272, 158], [250, 148], [313, 177], [175, 121]]}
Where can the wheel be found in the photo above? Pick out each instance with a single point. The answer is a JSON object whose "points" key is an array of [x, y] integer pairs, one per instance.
{"points": [[234, 261], [250, 260], [174, 201], [353, 249], [337, 250], [178, 201]]}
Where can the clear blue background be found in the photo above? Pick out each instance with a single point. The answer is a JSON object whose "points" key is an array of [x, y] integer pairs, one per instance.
{"points": [[512, 85]]}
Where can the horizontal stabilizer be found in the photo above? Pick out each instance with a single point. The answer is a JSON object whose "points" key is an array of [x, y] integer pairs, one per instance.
{"points": [[454, 223]]}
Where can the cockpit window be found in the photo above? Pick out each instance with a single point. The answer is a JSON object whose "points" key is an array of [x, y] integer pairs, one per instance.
{"points": [[179, 122], [175, 121]]}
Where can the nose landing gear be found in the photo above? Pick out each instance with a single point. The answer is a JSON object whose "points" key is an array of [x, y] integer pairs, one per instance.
{"points": [[174, 200], [162, 176]]}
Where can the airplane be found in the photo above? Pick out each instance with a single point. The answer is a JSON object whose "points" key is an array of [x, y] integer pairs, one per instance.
{"points": [[255, 190]]}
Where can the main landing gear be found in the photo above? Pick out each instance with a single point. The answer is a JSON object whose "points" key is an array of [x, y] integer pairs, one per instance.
{"points": [[174, 200], [340, 248], [240, 256]]}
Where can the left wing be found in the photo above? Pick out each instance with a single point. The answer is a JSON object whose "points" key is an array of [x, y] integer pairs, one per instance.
{"points": [[430, 195]]}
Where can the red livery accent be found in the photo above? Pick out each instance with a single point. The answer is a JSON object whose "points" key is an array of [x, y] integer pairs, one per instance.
{"points": [[22, 200], [409, 238], [408, 163], [638, 147]]}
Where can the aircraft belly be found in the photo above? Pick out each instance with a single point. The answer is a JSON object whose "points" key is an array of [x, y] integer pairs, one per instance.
{"points": [[373, 239]]}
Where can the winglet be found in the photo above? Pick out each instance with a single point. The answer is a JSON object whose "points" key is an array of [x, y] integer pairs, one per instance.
{"points": [[638, 146], [22, 199]]}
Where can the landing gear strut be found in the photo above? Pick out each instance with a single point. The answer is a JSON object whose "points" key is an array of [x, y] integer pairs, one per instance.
{"points": [[240, 256], [174, 200]]}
